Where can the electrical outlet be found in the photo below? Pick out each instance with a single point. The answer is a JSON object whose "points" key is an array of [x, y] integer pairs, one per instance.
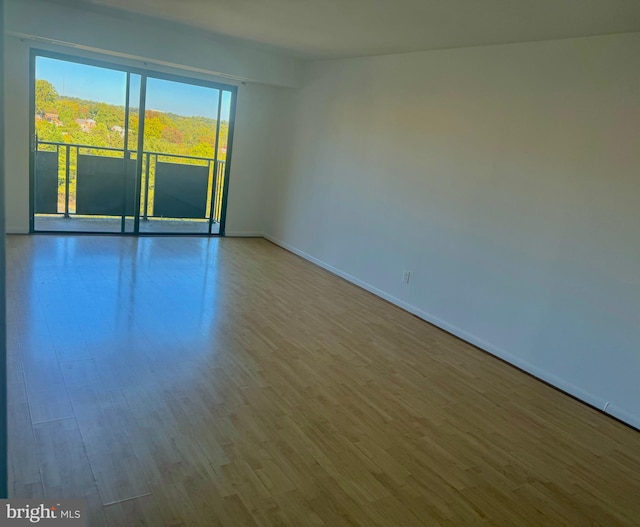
{"points": [[406, 276]]}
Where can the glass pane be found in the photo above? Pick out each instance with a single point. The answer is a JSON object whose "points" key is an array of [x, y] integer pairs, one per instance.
{"points": [[223, 141], [179, 141], [79, 163]]}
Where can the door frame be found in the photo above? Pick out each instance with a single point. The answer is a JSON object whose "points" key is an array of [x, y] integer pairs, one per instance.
{"points": [[144, 74]]}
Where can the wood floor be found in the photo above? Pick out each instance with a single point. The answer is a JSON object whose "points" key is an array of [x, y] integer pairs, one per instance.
{"points": [[199, 381]]}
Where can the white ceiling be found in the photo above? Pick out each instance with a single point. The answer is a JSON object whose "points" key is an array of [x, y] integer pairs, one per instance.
{"points": [[350, 28]]}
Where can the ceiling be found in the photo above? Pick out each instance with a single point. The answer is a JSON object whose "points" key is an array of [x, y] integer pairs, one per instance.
{"points": [[321, 29]]}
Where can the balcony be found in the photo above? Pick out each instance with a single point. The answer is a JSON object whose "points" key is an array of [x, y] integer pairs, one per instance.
{"points": [[84, 188]]}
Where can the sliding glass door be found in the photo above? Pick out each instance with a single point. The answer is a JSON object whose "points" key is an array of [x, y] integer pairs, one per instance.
{"points": [[128, 152], [183, 124]]}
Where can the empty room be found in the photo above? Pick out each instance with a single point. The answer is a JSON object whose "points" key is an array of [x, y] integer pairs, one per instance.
{"points": [[365, 263]]}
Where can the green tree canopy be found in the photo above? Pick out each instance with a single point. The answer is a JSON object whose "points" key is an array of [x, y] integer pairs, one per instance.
{"points": [[46, 96]]}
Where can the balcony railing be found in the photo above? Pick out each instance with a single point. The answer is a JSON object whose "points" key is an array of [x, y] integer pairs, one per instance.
{"points": [[101, 181]]}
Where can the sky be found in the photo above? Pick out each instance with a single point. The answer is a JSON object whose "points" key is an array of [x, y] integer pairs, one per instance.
{"points": [[71, 79]]}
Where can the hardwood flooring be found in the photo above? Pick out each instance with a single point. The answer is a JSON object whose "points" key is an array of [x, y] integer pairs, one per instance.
{"points": [[196, 381]]}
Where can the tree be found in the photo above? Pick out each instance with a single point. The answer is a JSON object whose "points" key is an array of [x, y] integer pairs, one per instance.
{"points": [[171, 134], [201, 150], [46, 96], [48, 132], [153, 126], [67, 110], [109, 115]]}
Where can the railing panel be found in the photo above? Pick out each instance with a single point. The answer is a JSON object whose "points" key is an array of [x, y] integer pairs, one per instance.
{"points": [[180, 191], [93, 184], [100, 189], [46, 183]]}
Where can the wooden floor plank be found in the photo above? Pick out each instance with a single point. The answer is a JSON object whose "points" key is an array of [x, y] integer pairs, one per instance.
{"points": [[116, 468], [24, 467]]}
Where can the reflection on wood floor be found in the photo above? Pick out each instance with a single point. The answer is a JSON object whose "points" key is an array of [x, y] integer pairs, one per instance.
{"points": [[201, 381]]}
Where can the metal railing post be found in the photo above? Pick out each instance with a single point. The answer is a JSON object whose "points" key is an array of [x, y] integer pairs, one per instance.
{"points": [[217, 215], [212, 171], [66, 182], [219, 188], [146, 187]]}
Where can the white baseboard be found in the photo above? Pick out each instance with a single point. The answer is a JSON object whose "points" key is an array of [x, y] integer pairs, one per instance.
{"points": [[16, 230], [544, 375], [243, 234]]}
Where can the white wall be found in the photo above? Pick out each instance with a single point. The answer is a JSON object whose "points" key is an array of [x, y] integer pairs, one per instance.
{"points": [[505, 178], [16, 127], [163, 48], [257, 146]]}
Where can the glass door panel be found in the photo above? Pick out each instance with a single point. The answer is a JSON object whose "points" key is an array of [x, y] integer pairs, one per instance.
{"points": [[180, 130], [79, 163]]}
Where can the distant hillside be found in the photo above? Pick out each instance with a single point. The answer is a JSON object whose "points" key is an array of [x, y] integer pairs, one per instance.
{"points": [[73, 120]]}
